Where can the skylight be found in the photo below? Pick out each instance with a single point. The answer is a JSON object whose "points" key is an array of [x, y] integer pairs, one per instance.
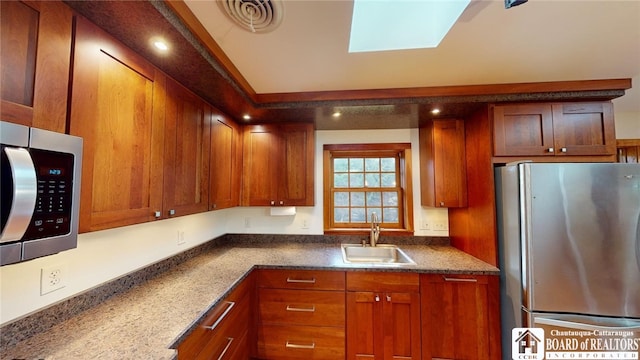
{"points": [[380, 25]]}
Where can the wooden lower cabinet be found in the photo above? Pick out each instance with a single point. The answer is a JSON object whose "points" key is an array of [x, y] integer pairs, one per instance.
{"points": [[301, 314], [226, 330], [460, 317], [383, 316]]}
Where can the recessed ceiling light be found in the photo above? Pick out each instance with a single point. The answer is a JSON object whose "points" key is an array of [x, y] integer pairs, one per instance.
{"points": [[435, 111], [161, 45], [246, 117], [336, 114]]}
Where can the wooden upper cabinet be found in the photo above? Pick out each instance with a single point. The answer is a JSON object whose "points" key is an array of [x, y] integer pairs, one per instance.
{"points": [[35, 55], [628, 150], [443, 175], [226, 162], [117, 106], [186, 152], [558, 129], [278, 165]]}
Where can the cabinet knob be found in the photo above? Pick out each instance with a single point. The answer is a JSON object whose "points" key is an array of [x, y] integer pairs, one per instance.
{"points": [[377, 297], [564, 150], [281, 202], [172, 212], [157, 214], [441, 203], [388, 298], [550, 150], [273, 202]]}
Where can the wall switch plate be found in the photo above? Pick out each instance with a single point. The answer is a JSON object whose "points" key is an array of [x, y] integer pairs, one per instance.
{"points": [[52, 278], [247, 222], [305, 224], [181, 239], [440, 225]]}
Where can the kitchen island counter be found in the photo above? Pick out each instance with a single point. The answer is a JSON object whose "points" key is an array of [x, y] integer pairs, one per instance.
{"points": [[147, 320]]}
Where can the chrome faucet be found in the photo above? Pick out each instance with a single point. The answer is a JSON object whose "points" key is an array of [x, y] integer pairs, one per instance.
{"points": [[375, 230]]}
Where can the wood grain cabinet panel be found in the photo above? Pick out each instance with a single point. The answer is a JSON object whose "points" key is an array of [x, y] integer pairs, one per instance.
{"points": [[226, 162], [460, 317], [35, 53], [628, 150], [278, 165], [443, 175], [117, 107], [301, 314], [186, 152], [554, 129], [383, 322]]}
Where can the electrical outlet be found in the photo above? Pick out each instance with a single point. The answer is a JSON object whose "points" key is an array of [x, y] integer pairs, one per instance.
{"points": [[53, 278], [247, 222], [181, 239], [440, 225], [305, 224], [425, 225]]}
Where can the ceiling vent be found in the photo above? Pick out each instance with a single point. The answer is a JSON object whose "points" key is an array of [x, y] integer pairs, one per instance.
{"points": [[258, 16]]}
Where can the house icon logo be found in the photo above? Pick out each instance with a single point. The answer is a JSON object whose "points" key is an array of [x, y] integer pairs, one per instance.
{"points": [[527, 344]]}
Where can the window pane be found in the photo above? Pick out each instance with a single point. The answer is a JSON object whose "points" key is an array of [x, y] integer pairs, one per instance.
{"points": [[388, 180], [340, 165], [372, 164], [390, 215], [390, 198], [356, 164], [356, 180], [378, 212], [357, 199], [341, 215], [357, 215], [388, 164], [341, 198], [341, 180], [372, 180], [374, 199]]}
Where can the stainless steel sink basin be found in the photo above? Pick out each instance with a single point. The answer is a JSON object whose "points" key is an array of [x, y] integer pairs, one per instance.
{"points": [[385, 255]]}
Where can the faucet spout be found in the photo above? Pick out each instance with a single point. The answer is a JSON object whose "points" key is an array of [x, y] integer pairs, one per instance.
{"points": [[375, 230]]}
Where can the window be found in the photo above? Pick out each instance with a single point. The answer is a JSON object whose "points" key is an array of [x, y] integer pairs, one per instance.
{"points": [[363, 179]]}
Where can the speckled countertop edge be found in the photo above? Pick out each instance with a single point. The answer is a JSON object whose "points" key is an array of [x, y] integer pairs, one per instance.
{"points": [[146, 321]]}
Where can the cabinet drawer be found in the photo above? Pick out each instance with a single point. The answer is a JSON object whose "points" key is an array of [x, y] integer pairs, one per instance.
{"points": [[383, 281], [300, 342], [301, 279], [301, 307]]}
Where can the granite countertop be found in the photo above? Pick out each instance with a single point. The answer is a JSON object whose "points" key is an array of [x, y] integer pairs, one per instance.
{"points": [[145, 321]]}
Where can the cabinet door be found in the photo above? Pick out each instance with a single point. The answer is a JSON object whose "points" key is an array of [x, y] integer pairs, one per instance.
{"points": [[226, 159], [186, 152], [443, 175], [584, 129], [35, 56], [460, 318], [364, 326], [525, 129], [261, 165], [401, 324], [117, 106], [295, 186]]}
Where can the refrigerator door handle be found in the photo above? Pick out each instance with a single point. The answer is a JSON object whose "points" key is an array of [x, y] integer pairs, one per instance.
{"points": [[583, 326]]}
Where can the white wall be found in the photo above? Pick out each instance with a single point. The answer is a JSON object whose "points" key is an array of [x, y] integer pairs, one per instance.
{"points": [[627, 125], [106, 255]]}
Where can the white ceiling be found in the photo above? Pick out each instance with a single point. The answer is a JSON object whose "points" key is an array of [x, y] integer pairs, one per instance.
{"points": [[541, 40]]}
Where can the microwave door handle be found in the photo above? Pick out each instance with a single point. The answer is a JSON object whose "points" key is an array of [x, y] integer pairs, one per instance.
{"points": [[24, 194], [583, 326]]}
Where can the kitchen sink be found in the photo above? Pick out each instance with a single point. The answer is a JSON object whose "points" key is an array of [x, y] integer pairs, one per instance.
{"points": [[381, 255]]}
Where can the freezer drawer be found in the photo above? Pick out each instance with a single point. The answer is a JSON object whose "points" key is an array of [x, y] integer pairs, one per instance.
{"points": [[574, 336]]}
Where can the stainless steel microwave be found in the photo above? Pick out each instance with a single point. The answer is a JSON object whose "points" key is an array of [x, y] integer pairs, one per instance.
{"points": [[40, 192]]}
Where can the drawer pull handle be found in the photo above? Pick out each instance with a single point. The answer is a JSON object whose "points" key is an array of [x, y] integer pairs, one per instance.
{"points": [[311, 309], [291, 345], [224, 314], [459, 280], [224, 351], [301, 281]]}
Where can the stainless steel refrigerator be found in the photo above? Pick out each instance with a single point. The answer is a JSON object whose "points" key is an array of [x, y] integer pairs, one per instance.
{"points": [[569, 245]]}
